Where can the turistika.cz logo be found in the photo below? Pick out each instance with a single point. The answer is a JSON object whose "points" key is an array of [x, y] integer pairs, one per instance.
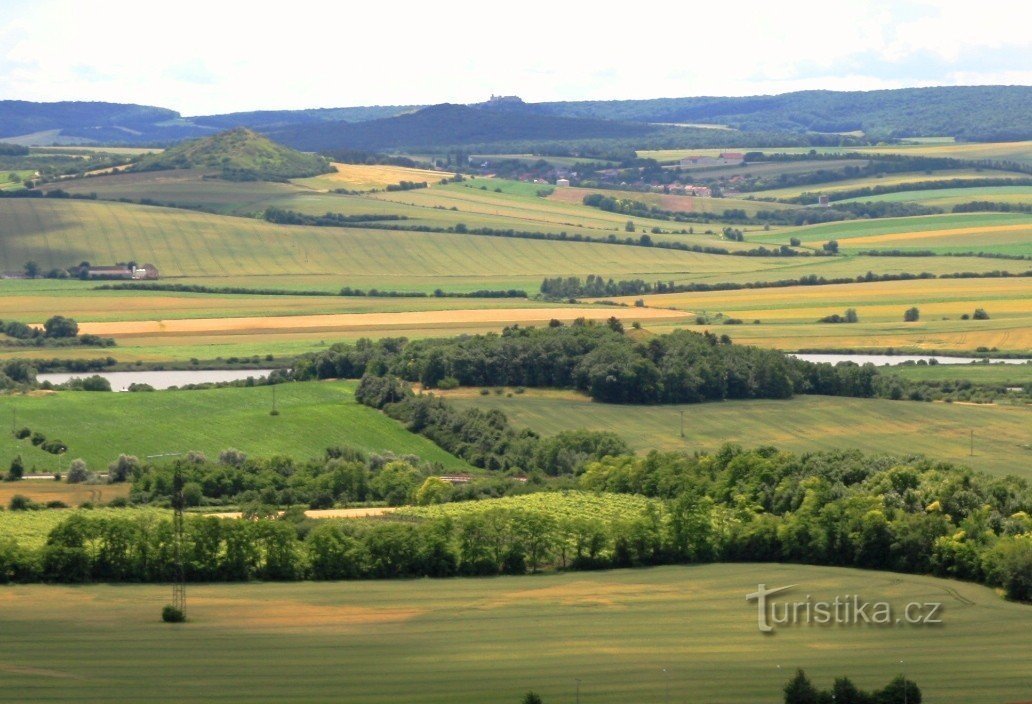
{"points": [[843, 610]]}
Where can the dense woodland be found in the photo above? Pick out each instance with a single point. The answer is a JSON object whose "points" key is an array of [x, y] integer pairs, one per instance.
{"points": [[842, 508]]}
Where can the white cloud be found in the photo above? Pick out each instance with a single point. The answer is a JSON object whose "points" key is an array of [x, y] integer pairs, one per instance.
{"points": [[203, 57]]}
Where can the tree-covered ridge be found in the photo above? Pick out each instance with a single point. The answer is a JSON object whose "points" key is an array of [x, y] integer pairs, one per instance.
{"points": [[977, 113], [450, 125], [238, 154]]}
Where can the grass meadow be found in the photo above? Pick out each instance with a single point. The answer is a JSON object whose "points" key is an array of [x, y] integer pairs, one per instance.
{"points": [[99, 426], [662, 634], [941, 431]]}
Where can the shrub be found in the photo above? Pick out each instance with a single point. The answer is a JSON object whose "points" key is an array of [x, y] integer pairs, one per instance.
{"points": [[58, 504], [980, 314], [448, 382], [77, 471], [911, 315], [54, 447], [171, 614], [122, 469], [16, 470], [22, 503], [22, 433], [38, 438], [60, 326]]}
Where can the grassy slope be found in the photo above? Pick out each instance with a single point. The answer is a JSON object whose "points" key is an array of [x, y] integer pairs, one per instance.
{"points": [[948, 197], [494, 639], [1005, 374], [99, 426], [1005, 233], [183, 243], [805, 423], [893, 179]]}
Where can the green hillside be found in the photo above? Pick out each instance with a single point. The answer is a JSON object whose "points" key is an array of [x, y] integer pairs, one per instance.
{"points": [[238, 153], [99, 426]]}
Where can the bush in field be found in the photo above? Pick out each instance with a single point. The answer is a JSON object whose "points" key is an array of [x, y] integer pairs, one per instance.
{"points": [[78, 472], [122, 469], [17, 469], [231, 457], [171, 614], [60, 326], [22, 433], [980, 314], [911, 315]]}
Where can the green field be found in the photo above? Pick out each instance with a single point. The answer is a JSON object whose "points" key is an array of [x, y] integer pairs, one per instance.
{"points": [[1003, 374], [679, 634], [948, 197], [892, 179], [99, 426], [60, 233], [1001, 233], [1003, 434]]}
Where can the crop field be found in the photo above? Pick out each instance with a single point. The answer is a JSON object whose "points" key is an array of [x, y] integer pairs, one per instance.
{"points": [[788, 316], [948, 197], [892, 179], [182, 187], [1013, 375], [1001, 233], [626, 635], [35, 301], [941, 431], [367, 177], [1020, 152], [672, 202], [99, 426], [59, 233], [604, 507], [44, 490]]}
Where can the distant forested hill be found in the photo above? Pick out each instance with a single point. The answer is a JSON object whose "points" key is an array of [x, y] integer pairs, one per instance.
{"points": [[981, 113], [974, 113], [451, 125]]}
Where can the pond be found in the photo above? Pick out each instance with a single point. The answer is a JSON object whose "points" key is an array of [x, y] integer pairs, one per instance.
{"points": [[120, 381]]}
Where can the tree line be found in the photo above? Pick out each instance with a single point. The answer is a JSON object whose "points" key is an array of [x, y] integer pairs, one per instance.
{"points": [[841, 508]]}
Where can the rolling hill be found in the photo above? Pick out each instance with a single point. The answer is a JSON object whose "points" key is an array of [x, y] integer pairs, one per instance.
{"points": [[240, 154]]}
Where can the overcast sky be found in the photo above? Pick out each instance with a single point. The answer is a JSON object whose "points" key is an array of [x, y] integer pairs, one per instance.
{"points": [[214, 56]]}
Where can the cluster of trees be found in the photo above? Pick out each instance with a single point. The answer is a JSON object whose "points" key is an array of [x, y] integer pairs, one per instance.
{"points": [[850, 316], [799, 690], [680, 367], [57, 331], [283, 216], [343, 476], [345, 291], [839, 509], [406, 186], [485, 438]]}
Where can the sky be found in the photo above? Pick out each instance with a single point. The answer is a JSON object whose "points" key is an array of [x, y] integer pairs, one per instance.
{"points": [[217, 56]]}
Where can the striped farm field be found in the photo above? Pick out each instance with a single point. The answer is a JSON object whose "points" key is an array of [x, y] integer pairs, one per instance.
{"points": [[182, 187], [59, 233], [672, 202], [678, 634], [788, 316], [941, 431], [1020, 152], [949, 197], [366, 177], [1002, 233], [894, 179], [370, 322]]}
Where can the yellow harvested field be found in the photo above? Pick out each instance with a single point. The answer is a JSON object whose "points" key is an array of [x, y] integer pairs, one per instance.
{"points": [[368, 321], [44, 490], [939, 235], [366, 177]]}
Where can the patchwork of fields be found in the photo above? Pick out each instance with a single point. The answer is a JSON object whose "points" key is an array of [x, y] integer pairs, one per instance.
{"points": [[626, 635]]}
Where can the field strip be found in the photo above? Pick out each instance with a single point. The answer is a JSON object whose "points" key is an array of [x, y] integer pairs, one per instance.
{"points": [[921, 234], [322, 512], [351, 321]]}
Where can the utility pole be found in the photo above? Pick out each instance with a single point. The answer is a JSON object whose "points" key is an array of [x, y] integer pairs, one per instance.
{"points": [[179, 573], [682, 422]]}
